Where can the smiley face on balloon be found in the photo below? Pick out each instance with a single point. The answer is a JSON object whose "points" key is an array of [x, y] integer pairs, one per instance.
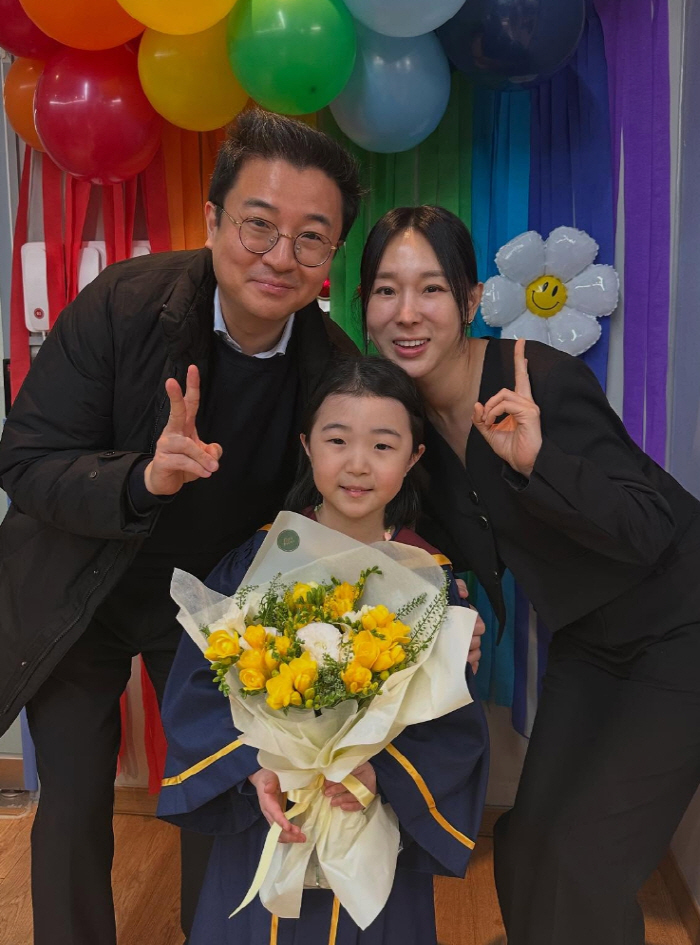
{"points": [[550, 290], [546, 296]]}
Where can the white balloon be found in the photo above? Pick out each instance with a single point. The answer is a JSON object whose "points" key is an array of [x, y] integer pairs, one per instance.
{"points": [[595, 291], [502, 301], [572, 331], [568, 251], [523, 258]]}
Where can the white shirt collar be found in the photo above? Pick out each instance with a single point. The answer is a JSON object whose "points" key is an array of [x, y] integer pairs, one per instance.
{"points": [[222, 331]]}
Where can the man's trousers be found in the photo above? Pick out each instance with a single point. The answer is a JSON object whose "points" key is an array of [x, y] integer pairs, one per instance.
{"points": [[75, 724]]}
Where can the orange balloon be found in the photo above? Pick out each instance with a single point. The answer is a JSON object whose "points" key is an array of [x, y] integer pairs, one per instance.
{"points": [[18, 95], [84, 24]]}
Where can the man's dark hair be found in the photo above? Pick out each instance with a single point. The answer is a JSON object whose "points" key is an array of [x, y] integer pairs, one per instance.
{"points": [[450, 239], [364, 377], [259, 134]]}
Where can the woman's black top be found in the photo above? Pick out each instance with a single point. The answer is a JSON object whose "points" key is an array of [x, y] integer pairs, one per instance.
{"points": [[597, 525]]}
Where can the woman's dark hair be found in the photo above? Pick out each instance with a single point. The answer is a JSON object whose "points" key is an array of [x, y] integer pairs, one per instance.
{"points": [[259, 134], [451, 242], [364, 377]]}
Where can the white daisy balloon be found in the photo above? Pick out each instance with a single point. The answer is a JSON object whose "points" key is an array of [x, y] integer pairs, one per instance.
{"points": [[551, 291]]}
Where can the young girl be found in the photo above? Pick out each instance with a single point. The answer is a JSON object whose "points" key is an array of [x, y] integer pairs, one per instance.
{"points": [[362, 438]]}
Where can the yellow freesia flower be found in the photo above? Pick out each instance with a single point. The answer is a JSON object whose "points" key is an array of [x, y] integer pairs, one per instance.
{"points": [[356, 677], [300, 591], [341, 599], [304, 671], [382, 662], [366, 648], [282, 645], [398, 654], [222, 645], [280, 688], [256, 637], [252, 679], [271, 663], [253, 659]]}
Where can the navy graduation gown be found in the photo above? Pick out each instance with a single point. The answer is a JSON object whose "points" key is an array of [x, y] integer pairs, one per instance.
{"points": [[434, 775]]}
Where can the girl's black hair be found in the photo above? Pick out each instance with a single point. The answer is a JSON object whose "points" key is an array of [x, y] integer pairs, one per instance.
{"points": [[451, 242], [364, 377]]}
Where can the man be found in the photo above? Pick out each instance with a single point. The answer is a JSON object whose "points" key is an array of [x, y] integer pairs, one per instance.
{"points": [[113, 483]]}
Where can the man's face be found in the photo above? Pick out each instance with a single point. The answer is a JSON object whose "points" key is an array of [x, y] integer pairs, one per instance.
{"points": [[270, 287]]}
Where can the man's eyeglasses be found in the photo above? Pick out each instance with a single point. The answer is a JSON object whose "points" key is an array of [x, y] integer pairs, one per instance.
{"points": [[260, 236]]}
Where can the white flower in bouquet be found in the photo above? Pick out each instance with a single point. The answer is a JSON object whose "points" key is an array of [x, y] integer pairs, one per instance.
{"points": [[319, 639]]}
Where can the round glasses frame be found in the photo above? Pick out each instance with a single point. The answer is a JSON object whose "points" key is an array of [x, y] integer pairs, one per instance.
{"points": [[297, 246]]}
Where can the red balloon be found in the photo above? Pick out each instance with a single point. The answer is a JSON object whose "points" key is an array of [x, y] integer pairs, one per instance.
{"points": [[93, 117], [20, 36]]}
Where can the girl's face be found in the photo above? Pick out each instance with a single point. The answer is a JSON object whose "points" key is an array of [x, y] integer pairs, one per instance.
{"points": [[360, 449], [412, 315]]}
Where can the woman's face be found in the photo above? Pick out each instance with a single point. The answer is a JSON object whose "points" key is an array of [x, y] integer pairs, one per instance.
{"points": [[412, 315]]}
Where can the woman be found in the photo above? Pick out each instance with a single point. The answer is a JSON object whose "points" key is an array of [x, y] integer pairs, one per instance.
{"points": [[531, 469]]}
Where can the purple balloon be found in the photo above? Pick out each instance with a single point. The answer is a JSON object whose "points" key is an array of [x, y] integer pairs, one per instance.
{"points": [[20, 36]]}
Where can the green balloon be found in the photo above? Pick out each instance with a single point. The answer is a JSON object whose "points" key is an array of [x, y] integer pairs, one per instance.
{"points": [[292, 56]]}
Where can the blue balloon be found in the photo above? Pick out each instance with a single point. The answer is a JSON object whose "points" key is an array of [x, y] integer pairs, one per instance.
{"points": [[397, 93], [403, 17], [513, 44]]}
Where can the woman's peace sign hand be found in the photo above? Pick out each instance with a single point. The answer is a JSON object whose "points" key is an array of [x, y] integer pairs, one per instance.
{"points": [[517, 439], [180, 455]]}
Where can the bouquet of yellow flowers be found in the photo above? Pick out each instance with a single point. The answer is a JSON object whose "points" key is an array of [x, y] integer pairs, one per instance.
{"points": [[327, 651], [307, 645]]}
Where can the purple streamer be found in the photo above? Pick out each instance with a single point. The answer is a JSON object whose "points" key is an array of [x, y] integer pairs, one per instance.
{"points": [[636, 40]]}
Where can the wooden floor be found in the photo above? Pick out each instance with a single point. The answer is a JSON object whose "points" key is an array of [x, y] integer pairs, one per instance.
{"points": [[146, 891]]}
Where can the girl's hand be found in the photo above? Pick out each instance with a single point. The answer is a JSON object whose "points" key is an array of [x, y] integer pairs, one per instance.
{"points": [[518, 438], [341, 797], [479, 630], [271, 799]]}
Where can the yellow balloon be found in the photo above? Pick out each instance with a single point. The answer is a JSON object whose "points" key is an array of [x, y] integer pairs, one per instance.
{"points": [[178, 17], [188, 79]]}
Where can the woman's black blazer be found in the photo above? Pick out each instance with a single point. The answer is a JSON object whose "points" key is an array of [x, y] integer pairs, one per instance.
{"points": [[597, 525]]}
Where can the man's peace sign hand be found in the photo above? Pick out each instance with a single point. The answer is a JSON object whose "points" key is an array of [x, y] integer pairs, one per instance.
{"points": [[517, 439], [180, 455]]}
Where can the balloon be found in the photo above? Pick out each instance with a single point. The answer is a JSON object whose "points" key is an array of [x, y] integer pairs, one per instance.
{"points": [[188, 79], [178, 17], [20, 36], [84, 24], [18, 96], [292, 56], [93, 117], [397, 94], [403, 17], [513, 44]]}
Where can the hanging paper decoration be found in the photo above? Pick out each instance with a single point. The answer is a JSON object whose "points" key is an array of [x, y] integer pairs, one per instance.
{"points": [[188, 79], [397, 93], [551, 291], [177, 17], [403, 17], [511, 45], [292, 56]]}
